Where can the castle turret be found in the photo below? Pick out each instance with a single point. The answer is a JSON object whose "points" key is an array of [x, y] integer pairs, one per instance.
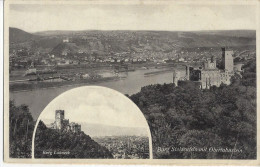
{"points": [[59, 117]]}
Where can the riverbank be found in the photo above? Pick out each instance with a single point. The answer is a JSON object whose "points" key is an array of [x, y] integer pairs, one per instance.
{"points": [[38, 99], [29, 85], [24, 87], [157, 72]]}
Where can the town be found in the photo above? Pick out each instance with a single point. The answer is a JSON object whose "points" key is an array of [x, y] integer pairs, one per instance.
{"points": [[49, 60], [187, 71], [126, 147]]}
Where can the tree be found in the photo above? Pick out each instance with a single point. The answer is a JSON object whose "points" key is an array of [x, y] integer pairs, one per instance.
{"points": [[221, 117], [21, 127]]}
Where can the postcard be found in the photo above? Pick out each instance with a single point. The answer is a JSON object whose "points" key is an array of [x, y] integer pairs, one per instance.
{"points": [[131, 82]]}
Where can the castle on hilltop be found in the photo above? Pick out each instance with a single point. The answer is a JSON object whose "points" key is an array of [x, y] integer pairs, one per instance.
{"points": [[208, 75], [63, 124]]}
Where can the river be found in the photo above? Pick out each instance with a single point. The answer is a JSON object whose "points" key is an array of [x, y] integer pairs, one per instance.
{"points": [[38, 99]]}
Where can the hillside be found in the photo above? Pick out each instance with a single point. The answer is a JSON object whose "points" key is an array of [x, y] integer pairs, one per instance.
{"points": [[75, 145], [103, 42], [65, 47], [187, 117], [18, 36]]}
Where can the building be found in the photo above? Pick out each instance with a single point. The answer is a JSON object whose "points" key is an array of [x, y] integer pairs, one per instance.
{"points": [[65, 40], [31, 71], [63, 124], [209, 75], [227, 60], [238, 67], [181, 75], [59, 119], [181, 59]]}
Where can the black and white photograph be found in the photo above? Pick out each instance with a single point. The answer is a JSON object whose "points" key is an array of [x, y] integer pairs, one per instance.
{"points": [[90, 125], [129, 80]]}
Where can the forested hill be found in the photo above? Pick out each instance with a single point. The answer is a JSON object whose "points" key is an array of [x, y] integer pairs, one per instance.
{"points": [[221, 118], [18, 36], [66, 145], [21, 126], [103, 42]]}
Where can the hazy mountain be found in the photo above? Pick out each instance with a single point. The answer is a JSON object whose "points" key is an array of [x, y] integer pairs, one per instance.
{"points": [[231, 33], [54, 32], [107, 130]]}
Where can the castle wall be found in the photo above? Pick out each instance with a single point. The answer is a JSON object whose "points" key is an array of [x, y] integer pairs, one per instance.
{"points": [[226, 76], [210, 64], [210, 78], [189, 83], [64, 124], [210, 75], [75, 127], [179, 75]]}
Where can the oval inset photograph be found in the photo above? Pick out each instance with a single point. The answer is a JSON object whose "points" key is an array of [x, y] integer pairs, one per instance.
{"points": [[92, 122]]}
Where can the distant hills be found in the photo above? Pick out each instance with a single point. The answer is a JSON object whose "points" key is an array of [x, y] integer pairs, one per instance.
{"points": [[103, 42], [106, 130], [18, 36], [230, 33]]}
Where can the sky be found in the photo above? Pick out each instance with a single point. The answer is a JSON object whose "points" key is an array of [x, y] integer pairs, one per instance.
{"points": [[95, 105], [35, 17]]}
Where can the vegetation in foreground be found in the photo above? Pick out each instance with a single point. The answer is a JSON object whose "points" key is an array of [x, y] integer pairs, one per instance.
{"points": [[20, 139], [179, 117], [21, 127], [52, 143], [187, 117]]}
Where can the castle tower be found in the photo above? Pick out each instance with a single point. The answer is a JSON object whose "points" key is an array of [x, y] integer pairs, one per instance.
{"points": [[227, 60], [187, 72], [59, 117]]}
